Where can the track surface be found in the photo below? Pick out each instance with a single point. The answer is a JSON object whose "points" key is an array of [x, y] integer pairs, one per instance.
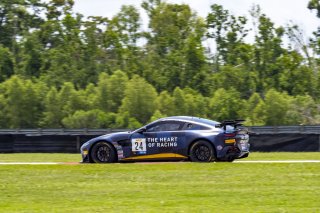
{"points": [[77, 163]]}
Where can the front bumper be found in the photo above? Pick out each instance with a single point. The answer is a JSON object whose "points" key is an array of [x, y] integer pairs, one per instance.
{"points": [[85, 158], [85, 153]]}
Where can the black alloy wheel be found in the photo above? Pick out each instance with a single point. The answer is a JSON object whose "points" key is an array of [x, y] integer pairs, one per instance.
{"points": [[202, 151], [103, 152]]}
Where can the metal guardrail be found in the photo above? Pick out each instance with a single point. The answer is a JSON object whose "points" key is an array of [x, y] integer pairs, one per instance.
{"points": [[39, 132], [285, 129], [254, 129]]}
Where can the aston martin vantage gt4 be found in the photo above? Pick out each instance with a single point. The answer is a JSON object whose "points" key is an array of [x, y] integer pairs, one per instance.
{"points": [[172, 138]]}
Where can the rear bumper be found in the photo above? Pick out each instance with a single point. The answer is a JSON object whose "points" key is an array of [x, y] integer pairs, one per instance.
{"points": [[229, 153]]}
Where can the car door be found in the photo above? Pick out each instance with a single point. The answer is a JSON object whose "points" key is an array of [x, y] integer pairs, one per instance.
{"points": [[159, 138]]}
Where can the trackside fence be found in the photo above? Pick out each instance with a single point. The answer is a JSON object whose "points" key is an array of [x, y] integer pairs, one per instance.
{"points": [[262, 138]]}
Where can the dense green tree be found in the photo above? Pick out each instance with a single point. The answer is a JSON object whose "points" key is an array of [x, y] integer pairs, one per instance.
{"points": [[90, 96], [267, 50], [238, 78], [315, 45], [6, 63], [52, 115], [89, 119], [303, 110], [31, 57], [157, 115], [23, 103], [120, 41], [179, 102], [70, 99], [94, 58], [221, 99], [165, 104], [123, 120], [61, 104], [3, 117], [276, 107], [59, 69], [116, 88], [17, 18], [174, 43], [64, 63], [195, 103], [254, 111], [103, 99], [139, 100], [228, 32]]}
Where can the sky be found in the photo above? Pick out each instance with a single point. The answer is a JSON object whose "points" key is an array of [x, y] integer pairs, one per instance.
{"points": [[281, 12]]}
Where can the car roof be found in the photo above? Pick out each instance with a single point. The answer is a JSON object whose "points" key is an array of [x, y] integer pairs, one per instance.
{"points": [[192, 119]]}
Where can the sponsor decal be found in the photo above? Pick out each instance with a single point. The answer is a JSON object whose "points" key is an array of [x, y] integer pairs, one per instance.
{"points": [[139, 145], [162, 142], [119, 150], [219, 147]]}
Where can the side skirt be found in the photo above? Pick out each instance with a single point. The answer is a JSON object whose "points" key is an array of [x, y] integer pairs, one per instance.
{"points": [[162, 156]]}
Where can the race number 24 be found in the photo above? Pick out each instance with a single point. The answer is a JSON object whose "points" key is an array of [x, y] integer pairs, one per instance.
{"points": [[139, 145]]}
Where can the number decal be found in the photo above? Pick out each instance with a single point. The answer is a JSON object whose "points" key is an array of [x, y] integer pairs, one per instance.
{"points": [[139, 145]]}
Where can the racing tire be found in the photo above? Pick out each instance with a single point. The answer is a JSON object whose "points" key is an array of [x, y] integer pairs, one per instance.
{"points": [[202, 151], [103, 152]]}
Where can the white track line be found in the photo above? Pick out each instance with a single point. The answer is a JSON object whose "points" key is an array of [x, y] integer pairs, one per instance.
{"points": [[29, 163], [278, 161]]}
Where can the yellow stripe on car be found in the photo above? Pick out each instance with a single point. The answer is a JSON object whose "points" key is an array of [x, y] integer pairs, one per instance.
{"points": [[156, 156]]}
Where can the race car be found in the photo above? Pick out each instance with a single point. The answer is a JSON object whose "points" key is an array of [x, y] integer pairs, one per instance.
{"points": [[172, 138]]}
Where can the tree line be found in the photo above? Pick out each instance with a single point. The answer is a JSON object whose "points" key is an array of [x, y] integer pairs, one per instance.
{"points": [[61, 69]]}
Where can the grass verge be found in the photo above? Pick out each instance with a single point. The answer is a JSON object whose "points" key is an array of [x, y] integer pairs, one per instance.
{"points": [[165, 187]]}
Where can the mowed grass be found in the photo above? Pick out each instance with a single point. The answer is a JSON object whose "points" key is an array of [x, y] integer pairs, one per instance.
{"points": [[39, 157], [161, 187]]}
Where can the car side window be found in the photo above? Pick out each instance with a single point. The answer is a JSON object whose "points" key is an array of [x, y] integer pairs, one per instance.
{"points": [[191, 126], [155, 128], [165, 126]]}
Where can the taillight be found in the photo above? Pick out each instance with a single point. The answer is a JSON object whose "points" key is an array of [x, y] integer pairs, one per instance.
{"points": [[229, 135]]}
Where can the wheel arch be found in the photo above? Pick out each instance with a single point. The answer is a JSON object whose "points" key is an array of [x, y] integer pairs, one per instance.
{"points": [[105, 141], [202, 139]]}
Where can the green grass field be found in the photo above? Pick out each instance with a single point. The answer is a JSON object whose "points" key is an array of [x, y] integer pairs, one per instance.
{"points": [[161, 187]]}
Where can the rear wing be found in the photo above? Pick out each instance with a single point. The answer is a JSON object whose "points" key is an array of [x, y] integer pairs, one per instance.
{"points": [[234, 123]]}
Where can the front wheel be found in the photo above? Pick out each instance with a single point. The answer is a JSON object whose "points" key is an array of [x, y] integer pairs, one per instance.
{"points": [[202, 151], [103, 152]]}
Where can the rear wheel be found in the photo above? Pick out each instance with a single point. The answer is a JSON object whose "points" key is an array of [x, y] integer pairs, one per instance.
{"points": [[202, 151], [103, 152]]}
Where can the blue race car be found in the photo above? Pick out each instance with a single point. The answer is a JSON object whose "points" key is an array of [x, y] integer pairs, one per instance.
{"points": [[172, 138]]}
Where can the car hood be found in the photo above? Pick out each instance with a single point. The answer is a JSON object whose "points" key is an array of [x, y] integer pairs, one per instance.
{"points": [[112, 137], [115, 136]]}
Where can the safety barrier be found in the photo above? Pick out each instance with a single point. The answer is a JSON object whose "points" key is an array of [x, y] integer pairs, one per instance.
{"points": [[254, 129], [262, 138]]}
